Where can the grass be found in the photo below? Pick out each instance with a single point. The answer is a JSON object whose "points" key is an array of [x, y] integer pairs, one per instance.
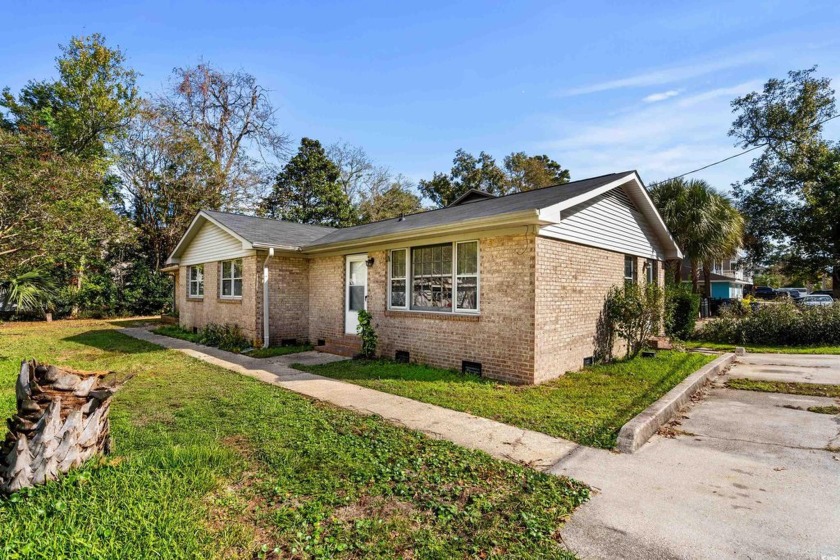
{"points": [[273, 351], [588, 407], [824, 409], [789, 387], [175, 331], [759, 349], [212, 464]]}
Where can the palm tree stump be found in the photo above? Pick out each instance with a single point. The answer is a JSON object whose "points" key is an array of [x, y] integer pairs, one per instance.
{"points": [[61, 422]]}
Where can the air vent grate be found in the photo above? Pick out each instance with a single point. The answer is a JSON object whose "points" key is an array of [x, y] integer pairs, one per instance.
{"points": [[473, 368], [402, 357]]}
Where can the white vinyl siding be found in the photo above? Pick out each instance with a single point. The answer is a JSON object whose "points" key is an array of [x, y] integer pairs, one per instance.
{"points": [[212, 243], [609, 221]]}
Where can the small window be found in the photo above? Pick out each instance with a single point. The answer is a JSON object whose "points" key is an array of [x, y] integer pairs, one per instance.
{"points": [[231, 279], [630, 269], [399, 277], [195, 284], [466, 276], [652, 272]]}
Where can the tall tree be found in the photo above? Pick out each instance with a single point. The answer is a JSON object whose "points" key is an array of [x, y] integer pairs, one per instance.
{"points": [[395, 200], [792, 197], [358, 175], [307, 190], [526, 173], [235, 122], [163, 170], [703, 222], [87, 107], [468, 172], [49, 215]]}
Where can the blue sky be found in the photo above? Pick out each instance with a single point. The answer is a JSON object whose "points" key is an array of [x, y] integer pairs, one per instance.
{"points": [[598, 86]]}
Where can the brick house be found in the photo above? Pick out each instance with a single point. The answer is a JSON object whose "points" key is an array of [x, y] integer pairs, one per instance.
{"points": [[512, 286]]}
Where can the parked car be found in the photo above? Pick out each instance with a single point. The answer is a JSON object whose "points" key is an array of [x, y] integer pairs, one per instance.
{"points": [[828, 293], [765, 292], [818, 300], [794, 293]]}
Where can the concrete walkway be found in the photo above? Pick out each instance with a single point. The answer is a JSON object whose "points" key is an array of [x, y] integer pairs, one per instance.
{"points": [[535, 449], [748, 477]]}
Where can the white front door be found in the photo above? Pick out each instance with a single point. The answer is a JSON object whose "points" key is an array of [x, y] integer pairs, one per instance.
{"points": [[355, 295]]}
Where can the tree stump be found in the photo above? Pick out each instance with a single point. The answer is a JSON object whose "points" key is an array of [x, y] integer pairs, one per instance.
{"points": [[61, 422]]}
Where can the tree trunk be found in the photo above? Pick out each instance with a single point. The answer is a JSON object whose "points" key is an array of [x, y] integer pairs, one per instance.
{"points": [[707, 281], [61, 422], [695, 280]]}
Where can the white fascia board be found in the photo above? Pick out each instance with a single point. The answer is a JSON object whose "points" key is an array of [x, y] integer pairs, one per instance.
{"points": [[553, 213], [195, 225]]}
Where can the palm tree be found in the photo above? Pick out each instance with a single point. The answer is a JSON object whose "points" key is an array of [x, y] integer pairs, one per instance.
{"points": [[30, 291], [703, 222]]}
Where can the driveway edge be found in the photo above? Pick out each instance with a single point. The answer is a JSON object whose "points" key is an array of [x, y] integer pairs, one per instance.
{"points": [[638, 430]]}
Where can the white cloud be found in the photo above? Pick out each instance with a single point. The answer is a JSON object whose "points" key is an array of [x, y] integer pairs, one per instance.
{"points": [[661, 96], [670, 75], [661, 139]]}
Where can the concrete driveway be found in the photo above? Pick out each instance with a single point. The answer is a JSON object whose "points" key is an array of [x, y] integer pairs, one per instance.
{"points": [[748, 475]]}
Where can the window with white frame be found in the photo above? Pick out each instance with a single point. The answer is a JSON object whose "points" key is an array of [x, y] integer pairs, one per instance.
{"points": [[652, 272], [399, 278], [231, 279], [629, 268], [195, 285], [466, 276], [443, 277]]}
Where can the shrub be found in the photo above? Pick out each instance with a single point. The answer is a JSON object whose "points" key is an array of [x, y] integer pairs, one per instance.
{"points": [[225, 337], [635, 313], [681, 310], [367, 333], [782, 324]]}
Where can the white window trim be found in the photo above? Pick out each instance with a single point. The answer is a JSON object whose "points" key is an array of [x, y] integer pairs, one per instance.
{"points": [[457, 277], [407, 276], [635, 272], [409, 286], [190, 282], [232, 278]]}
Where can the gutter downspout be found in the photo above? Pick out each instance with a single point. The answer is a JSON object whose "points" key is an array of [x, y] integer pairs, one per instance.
{"points": [[266, 337]]}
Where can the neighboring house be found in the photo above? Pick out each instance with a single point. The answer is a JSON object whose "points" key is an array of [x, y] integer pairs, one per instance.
{"points": [[512, 286], [728, 278]]}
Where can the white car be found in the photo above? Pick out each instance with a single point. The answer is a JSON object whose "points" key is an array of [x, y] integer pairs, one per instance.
{"points": [[815, 301]]}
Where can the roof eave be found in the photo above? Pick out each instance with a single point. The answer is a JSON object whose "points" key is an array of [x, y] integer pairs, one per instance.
{"points": [[192, 230], [521, 217]]}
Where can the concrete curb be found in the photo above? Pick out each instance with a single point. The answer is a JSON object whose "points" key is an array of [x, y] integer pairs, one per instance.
{"points": [[637, 431]]}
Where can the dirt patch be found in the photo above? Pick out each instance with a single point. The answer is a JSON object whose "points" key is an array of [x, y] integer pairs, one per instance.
{"points": [[376, 507]]}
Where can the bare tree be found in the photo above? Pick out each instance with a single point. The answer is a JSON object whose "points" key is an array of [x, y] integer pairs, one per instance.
{"points": [[233, 119], [359, 177], [166, 178]]}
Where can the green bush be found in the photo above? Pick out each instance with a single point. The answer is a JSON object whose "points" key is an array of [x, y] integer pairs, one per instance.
{"points": [[367, 334], [225, 337], [781, 324], [681, 310], [634, 313]]}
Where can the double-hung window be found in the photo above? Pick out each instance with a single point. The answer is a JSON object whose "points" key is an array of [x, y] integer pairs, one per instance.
{"points": [[195, 284], [399, 279], [652, 272], [443, 277], [231, 279], [630, 269]]}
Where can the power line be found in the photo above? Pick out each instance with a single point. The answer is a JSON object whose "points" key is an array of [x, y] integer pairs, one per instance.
{"points": [[732, 156]]}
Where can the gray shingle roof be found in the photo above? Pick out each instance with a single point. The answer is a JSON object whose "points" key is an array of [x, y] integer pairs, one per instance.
{"points": [[266, 231], [536, 199]]}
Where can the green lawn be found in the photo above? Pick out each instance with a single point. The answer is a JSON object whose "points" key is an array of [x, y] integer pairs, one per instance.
{"points": [[765, 349], [789, 387], [588, 407], [176, 331], [272, 351], [209, 463]]}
